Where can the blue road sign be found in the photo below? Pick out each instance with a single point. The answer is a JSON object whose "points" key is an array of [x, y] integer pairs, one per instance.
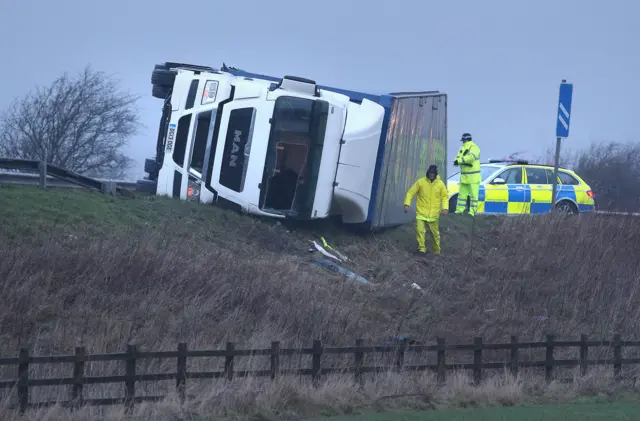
{"points": [[564, 109]]}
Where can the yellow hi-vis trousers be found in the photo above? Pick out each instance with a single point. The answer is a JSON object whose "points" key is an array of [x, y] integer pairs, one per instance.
{"points": [[470, 190], [421, 230]]}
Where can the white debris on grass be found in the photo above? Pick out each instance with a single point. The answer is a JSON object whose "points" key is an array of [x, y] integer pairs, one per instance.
{"points": [[324, 252]]}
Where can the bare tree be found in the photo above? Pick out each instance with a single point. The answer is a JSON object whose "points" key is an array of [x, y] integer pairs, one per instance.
{"points": [[119, 170], [613, 171], [568, 157], [79, 122]]}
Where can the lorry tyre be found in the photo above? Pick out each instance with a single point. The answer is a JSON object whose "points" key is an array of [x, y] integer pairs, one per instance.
{"points": [[147, 186], [151, 166], [160, 92], [163, 77]]}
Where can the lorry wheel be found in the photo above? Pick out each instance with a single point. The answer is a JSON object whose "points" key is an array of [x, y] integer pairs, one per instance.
{"points": [[147, 186], [160, 92], [152, 168], [163, 77]]}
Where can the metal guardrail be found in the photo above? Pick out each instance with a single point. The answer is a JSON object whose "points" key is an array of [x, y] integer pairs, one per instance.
{"points": [[618, 213], [61, 178], [37, 173], [25, 179]]}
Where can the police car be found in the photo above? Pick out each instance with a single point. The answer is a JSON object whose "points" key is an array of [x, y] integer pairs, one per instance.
{"points": [[517, 187]]}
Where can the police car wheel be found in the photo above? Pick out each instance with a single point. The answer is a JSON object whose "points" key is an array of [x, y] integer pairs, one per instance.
{"points": [[566, 207], [453, 202]]}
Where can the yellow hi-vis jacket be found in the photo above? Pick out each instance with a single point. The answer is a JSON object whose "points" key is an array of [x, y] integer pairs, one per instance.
{"points": [[469, 160], [432, 196]]}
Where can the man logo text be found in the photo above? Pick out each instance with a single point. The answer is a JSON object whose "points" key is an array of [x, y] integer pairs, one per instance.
{"points": [[235, 148]]}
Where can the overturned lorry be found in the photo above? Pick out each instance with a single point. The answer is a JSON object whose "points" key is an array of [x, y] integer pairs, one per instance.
{"points": [[290, 148]]}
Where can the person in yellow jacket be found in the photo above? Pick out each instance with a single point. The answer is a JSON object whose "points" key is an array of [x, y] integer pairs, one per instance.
{"points": [[432, 200], [468, 159]]}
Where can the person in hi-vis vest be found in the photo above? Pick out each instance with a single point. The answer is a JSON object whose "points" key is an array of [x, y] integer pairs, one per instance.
{"points": [[432, 200], [468, 159]]}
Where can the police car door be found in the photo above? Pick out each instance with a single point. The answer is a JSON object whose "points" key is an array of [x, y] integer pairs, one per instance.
{"points": [[541, 189], [510, 197]]}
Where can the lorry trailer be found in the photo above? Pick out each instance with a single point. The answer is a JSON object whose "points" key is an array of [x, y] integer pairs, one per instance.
{"points": [[289, 148]]}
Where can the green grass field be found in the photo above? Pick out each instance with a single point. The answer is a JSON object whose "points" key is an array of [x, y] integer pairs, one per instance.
{"points": [[83, 267], [564, 412]]}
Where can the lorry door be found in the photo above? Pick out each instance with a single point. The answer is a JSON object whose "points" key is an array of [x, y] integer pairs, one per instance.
{"points": [[228, 168], [202, 138], [202, 141]]}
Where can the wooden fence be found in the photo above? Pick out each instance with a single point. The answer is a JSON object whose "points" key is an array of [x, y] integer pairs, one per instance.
{"points": [[398, 351]]}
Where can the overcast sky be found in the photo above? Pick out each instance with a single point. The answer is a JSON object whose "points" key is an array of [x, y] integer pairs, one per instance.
{"points": [[500, 61]]}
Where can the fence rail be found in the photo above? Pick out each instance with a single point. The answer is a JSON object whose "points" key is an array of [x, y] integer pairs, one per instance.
{"points": [[181, 355]]}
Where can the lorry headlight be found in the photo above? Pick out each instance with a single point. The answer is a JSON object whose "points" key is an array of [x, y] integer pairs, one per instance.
{"points": [[210, 92], [193, 191]]}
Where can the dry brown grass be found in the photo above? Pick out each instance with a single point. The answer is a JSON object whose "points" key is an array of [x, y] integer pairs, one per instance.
{"points": [[287, 399], [204, 276]]}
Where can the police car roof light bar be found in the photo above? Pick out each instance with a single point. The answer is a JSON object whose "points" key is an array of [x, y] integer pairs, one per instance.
{"points": [[511, 161]]}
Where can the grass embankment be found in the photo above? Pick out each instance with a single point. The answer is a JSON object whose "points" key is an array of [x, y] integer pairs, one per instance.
{"points": [[561, 412], [80, 268]]}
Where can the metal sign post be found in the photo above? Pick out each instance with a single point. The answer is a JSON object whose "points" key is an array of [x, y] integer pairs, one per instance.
{"points": [[562, 130]]}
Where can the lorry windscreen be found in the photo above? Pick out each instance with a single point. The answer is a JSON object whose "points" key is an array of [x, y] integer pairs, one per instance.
{"points": [[293, 156]]}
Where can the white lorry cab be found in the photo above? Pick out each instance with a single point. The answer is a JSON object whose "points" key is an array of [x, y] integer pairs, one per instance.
{"points": [[289, 148]]}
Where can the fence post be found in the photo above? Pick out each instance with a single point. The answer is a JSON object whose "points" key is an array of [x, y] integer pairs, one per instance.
{"points": [[275, 359], [316, 366], [130, 382], [617, 356], [228, 360], [42, 168], [358, 359], [442, 368], [108, 187], [584, 354], [400, 355], [477, 361], [515, 351], [548, 363], [23, 379], [181, 372], [78, 377]]}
